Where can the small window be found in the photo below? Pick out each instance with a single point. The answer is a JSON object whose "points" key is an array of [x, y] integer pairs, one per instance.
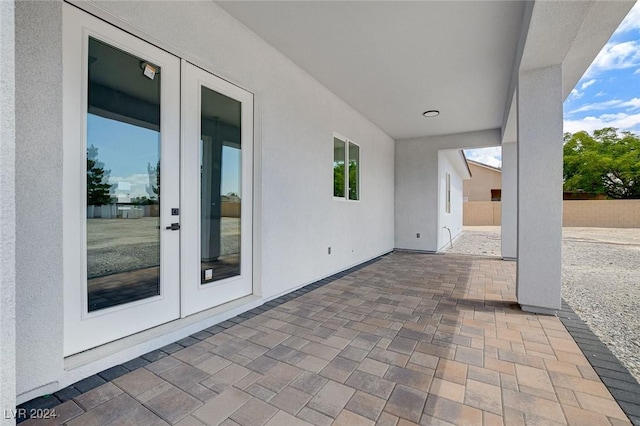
{"points": [[346, 169], [448, 207]]}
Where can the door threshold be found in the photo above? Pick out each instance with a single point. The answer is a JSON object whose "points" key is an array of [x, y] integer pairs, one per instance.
{"points": [[140, 343]]}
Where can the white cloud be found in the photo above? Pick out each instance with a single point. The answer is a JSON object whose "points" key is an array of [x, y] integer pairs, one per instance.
{"points": [[632, 21], [621, 121], [631, 104], [491, 156], [575, 94], [587, 84], [637, 72], [137, 183], [600, 93], [621, 55], [597, 106]]}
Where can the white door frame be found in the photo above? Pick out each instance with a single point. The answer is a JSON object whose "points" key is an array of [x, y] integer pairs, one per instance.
{"points": [[196, 297], [84, 330]]}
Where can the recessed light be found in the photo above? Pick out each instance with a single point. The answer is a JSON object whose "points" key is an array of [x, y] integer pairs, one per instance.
{"points": [[431, 113]]}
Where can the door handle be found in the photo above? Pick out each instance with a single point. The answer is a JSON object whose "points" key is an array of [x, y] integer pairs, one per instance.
{"points": [[174, 227]]}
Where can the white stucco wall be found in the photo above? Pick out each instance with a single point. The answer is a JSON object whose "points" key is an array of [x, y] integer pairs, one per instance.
{"points": [[416, 196], [450, 162], [416, 185], [38, 194], [296, 217], [7, 211], [509, 204]]}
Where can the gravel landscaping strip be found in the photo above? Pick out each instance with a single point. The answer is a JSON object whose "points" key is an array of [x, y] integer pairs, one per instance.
{"points": [[600, 281]]}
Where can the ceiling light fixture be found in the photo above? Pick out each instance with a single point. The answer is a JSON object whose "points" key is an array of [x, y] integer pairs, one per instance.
{"points": [[431, 113]]}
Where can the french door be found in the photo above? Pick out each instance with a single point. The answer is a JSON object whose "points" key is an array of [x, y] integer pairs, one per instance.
{"points": [[157, 185], [216, 195]]}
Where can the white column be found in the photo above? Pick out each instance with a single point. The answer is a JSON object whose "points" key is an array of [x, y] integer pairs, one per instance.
{"points": [[539, 275], [509, 201], [7, 211]]}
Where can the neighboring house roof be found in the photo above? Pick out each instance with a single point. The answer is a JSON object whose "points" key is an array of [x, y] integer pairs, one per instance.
{"points": [[466, 163], [477, 163]]}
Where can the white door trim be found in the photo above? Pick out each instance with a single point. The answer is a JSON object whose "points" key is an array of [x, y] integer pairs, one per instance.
{"points": [[197, 297], [84, 330]]}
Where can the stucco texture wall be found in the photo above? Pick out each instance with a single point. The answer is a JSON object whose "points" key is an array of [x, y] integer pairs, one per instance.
{"points": [[39, 197], [416, 185], [7, 210], [416, 196], [449, 162], [296, 217]]}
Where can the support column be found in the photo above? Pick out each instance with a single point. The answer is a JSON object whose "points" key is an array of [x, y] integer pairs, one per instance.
{"points": [[539, 273], [509, 201]]}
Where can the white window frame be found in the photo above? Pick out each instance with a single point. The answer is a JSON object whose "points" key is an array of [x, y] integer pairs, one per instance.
{"points": [[345, 196], [448, 194]]}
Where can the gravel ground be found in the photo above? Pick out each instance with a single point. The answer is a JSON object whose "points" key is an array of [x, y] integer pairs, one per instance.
{"points": [[122, 245], [600, 281]]}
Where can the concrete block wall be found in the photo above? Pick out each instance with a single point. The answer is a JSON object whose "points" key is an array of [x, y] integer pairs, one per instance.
{"points": [[482, 213], [602, 213], [584, 213]]}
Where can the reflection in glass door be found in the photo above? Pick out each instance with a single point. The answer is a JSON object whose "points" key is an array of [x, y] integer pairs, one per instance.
{"points": [[220, 186], [217, 144], [123, 177]]}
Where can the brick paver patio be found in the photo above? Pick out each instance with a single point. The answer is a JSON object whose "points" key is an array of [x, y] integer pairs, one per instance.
{"points": [[408, 339]]}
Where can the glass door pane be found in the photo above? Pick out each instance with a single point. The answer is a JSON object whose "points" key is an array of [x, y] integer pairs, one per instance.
{"points": [[220, 186], [123, 177]]}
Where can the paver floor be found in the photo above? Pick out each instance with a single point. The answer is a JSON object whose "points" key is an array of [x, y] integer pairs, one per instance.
{"points": [[409, 339]]}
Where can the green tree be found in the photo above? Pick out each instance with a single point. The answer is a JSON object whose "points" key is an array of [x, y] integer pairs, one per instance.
{"points": [[338, 179], [98, 188], [606, 162], [353, 180]]}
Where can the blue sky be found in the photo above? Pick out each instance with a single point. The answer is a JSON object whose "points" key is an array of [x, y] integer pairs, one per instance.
{"points": [[608, 95], [126, 150]]}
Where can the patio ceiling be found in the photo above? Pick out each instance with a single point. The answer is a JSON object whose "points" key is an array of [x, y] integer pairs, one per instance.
{"points": [[392, 61]]}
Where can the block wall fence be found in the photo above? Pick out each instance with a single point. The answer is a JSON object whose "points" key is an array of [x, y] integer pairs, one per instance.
{"points": [[582, 213]]}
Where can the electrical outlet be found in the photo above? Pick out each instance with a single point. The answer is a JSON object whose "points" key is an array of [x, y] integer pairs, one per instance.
{"points": [[418, 235], [329, 250]]}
